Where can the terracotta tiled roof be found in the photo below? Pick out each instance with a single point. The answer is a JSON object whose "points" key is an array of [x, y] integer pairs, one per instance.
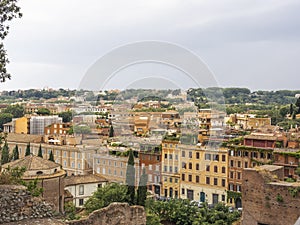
{"points": [[84, 179], [32, 162], [25, 138], [261, 137]]}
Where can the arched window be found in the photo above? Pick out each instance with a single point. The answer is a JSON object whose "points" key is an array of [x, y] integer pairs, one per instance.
{"points": [[39, 172]]}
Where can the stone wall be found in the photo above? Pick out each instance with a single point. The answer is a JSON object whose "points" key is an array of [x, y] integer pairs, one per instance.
{"points": [[267, 199], [17, 204], [115, 214]]}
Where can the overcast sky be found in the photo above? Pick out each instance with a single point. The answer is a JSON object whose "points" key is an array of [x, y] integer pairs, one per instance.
{"points": [[245, 43]]}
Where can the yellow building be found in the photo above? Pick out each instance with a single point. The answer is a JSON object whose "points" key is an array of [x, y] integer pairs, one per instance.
{"points": [[21, 125], [203, 174], [170, 169]]}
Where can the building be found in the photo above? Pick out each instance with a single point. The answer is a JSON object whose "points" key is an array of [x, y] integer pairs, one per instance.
{"points": [[114, 168], [38, 123], [249, 121], [267, 199], [170, 165], [289, 159], [203, 174], [150, 159], [82, 187], [49, 174], [57, 129]]}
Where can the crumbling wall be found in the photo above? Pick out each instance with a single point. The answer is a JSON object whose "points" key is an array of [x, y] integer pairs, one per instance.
{"points": [[17, 204]]}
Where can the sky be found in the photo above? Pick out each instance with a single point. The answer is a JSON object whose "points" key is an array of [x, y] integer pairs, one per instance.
{"points": [[244, 43]]}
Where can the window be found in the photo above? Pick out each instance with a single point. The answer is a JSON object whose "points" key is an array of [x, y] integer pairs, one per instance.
{"points": [[231, 175], [190, 166], [150, 167], [231, 187], [150, 177], [215, 169], [190, 178], [57, 152], [170, 156], [165, 168], [197, 166], [231, 163], [246, 164], [81, 189], [65, 163], [115, 172], [166, 156], [246, 154], [215, 181], [239, 153], [182, 191], [183, 153], [262, 155], [65, 154], [157, 167], [176, 180], [223, 198], [39, 172], [223, 182], [197, 179], [207, 180], [238, 175], [223, 169], [171, 179], [231, 153], [269, 156], [79, 155], [239, 164], [115, 164], [73, 165], [170, 169], [238, 188], [81, 201], [223, 158], [207, 168], [79, 166], [207, 156], [183, 177], [165, 179], [197, 155], [183, 165], [176, 169], [216, 157], [190, 155], [176, 157]]}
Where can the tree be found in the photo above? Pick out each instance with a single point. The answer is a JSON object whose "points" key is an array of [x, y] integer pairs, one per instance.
{"points": [[5, 154], [291, 109], [130, 177], [111, 131], [27, 152], [51, 157], [16, 110], [81, 129], [8, 11], [142, 189], [43, 111], [106, 195], [66, 116], [5, 117], [15, 154], [40, 152], [298, 105]]}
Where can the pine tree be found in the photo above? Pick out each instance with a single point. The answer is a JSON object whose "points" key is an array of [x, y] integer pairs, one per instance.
{"points": [[5, 154], [15, 154], [142, 189], [27, 149], [291, 109], [130, 178], [298, 105], [40, 152], [51, 157], [111, 131]]}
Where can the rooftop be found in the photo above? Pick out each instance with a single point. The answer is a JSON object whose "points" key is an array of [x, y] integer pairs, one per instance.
{"points": [[84, 179]]}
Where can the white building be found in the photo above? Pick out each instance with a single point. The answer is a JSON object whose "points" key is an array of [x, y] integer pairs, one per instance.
{"points": [[38, 123]]}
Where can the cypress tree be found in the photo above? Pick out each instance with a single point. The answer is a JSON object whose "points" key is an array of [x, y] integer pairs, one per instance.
{"points": [[51, 157], [130, 178], [291, 109], [142, 189], [15, 155], [27, 149], [5, 154], [40, 152], [111, 131]]}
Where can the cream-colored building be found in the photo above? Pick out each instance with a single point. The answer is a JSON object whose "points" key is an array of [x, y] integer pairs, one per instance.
{"points": [[82, 187]]}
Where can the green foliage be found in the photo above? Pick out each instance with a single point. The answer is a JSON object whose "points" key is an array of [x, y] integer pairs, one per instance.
{"points": [[279, 198], [294, 191], [66, 116], [33, 187], [8, 11], [43, 111], [142, 189], [16, 110], [130, 178], [11, 176], [234, 195], [5, 117], [15, 154], [51, 156], [5, 154], [179, 211], [297, 171], [106, 195], [81, 129], [27, 152], [111, 131], [40, 152], [70, 211]]}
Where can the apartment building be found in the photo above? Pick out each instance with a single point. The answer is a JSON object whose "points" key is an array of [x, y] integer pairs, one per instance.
{"points": [[203, 174], [170, 163], [38, 123]]}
